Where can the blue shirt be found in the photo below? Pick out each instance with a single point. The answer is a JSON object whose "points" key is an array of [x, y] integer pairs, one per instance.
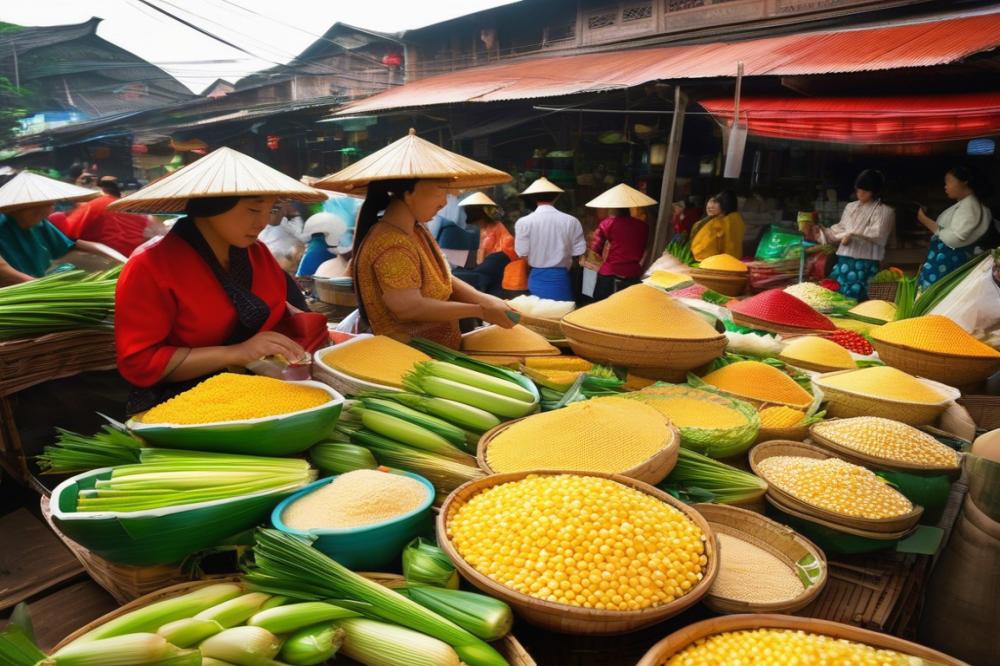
{"points": [[32, 250]]}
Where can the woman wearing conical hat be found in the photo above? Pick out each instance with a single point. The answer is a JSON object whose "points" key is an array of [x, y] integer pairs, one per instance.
{"points": [[622, 236], [29, 243], [208, 295], [404, 284]]}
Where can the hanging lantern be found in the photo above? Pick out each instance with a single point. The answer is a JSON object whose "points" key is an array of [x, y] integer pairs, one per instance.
{"points": [[392, 59], [273, 142]]}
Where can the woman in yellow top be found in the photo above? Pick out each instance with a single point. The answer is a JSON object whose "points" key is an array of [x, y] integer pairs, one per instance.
{"points": [[720, 231], [404, 284]]}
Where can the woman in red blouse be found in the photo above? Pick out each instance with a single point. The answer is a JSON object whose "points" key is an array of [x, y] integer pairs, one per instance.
{"points": [[206, 296], [620, 239]]}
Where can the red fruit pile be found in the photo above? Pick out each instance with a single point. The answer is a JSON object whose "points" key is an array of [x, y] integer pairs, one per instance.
{"points": [[852, 341]]}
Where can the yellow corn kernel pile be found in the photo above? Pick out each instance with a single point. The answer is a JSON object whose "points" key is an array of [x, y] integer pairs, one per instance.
{"points": [[782, 646], [693, 412], [497, 340], [888, 439], [814, 349], [758, 381], [835, 485], [642, 311], [582, 541], [885, 382], [574, 363], [669, 279], [232, 397], [775, 418], [601, 435], [933, 333], [875, 309], [724, 262], [378, 359]]}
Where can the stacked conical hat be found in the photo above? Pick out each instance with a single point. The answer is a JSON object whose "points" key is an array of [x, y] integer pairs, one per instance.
{"points": [[413, 157], [222, 173], [622, 196], [28, 189]]}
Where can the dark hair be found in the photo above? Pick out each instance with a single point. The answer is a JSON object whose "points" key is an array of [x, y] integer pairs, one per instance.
{"points": [[380, 193], [110, 185], [727, 201], [972, 178], [210, 206], [74, 171], [541, 197], [870, 180]]}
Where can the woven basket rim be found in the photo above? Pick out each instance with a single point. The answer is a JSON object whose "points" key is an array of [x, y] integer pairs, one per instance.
{"points": [[925, 352], [944, 389], [848, 453], [518, 599], [586, 329], [746, 518], [838, 527], [810, 365], [715, 272], [763, 450]]}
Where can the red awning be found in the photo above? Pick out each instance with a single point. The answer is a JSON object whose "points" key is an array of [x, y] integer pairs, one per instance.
{"points": [[882, 120], [915, 44]]}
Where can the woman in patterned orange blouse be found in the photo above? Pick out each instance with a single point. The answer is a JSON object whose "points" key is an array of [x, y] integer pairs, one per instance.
{"points": [[405, 286]]}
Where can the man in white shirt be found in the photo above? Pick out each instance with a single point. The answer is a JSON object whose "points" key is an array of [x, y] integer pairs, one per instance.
{"points": [[549, 239]]}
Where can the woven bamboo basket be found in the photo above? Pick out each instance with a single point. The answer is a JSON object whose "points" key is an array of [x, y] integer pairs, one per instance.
{"points": [[883, 291], [124, 582], [638, 352], [793, 434], [651, 471], [950, 369], [784, 543], [845, 404], [25, 362], [508, 646], [639, 342], [683, 638], [886, 537], [564, 618], [340, 381], [809, 365], [544, 326], [874, 462], [773, 327], [725, 282], [335, 294], [984, 410], [779, 447]]}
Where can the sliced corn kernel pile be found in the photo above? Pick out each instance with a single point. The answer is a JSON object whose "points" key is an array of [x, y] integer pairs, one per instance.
{"points": [[782, 646], [888, 439], [582, 541], [780, 417], [835, 485]]}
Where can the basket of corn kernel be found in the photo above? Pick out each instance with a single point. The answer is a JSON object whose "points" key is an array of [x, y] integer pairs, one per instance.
{"points": [[742, 639], [886, 444], [580, 553], [812, 483]]}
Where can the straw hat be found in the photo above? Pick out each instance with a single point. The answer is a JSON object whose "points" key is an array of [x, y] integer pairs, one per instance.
{"points": [[622, 196], [477, 199], [28, 189], [543, 186], [222, 173], [413, 157]]}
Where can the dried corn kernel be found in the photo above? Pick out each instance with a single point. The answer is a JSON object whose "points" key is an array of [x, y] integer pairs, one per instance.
{"points": [[885, 382], [933, 333], [498, 340], [600, 435], [888, 439], [582, 541], [642, 311], [574, 363], [724, 262], [749, 573], [782, 646], [835, 485], [693, 412], [231, 397], [758, 381], [814, 349], [378, 359], [776, 418]]}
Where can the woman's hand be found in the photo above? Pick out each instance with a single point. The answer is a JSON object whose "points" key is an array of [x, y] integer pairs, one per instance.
{"points": [[267, 343], [925, 220], [495, 311], [846, 240]]}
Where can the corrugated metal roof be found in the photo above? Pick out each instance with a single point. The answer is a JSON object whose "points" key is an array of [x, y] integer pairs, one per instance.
{"points": [[920, 44]]}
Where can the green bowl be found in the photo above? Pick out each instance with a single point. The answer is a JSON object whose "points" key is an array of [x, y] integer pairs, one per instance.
{"points": [[155, 536], [280, 435]]}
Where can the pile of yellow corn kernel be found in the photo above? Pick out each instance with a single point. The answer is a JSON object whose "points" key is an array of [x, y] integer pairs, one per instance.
{"points": [[888, 439], [835, 485], [782, 646], [582, 541]]}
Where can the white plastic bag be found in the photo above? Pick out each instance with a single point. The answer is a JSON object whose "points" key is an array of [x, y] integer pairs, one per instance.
{"points": [[974, 303], [349, 324]]}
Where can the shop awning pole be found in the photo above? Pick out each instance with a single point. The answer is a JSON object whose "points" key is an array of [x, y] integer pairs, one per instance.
{"points": [[665, 212]]}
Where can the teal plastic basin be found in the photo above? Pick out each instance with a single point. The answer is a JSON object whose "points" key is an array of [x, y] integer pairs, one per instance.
{"points": [[369, 547], [280, 435], [155, 536]]}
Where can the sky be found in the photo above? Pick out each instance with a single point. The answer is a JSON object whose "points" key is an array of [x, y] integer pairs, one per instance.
{"points": [[274, 31]]}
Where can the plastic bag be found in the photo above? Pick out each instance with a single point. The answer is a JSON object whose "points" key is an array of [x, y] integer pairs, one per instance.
{"points": [[349, 324], [778, 243], [974, 303]]}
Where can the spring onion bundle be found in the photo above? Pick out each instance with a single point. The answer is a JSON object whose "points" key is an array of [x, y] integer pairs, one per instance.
{"points": [[423, 562], [288, 566], [488, 618], [169, 478], [698, 478], [937, 292], [74, 453], [62, 301], [462, 415]]}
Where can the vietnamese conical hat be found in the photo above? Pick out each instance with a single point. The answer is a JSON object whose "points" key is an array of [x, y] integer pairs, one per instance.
{"points": [[222, 173], [622, 196], [413, 157], [543, 186], [477, 199], [28, 189]]}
